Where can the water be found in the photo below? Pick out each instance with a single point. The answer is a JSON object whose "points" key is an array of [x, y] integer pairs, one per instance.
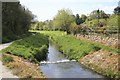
{"points": [[68, 69]]}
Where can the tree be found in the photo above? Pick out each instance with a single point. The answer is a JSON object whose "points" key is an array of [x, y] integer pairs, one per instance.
{"points": [[117, 10], [63, 19], [98, 14], [16, 20], [112, 22], [49, 24], [74, 28], [78, 19], [83, 17]]}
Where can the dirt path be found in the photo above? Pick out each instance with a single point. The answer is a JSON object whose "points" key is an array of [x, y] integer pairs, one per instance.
{"points": [[4, 71]]}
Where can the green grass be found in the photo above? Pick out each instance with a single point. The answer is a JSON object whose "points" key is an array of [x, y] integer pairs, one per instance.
{"points": [[72, 47], [34, 47]]}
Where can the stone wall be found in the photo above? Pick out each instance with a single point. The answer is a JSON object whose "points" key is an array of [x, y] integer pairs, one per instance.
{"points": [[108, 41], [103, 62]]}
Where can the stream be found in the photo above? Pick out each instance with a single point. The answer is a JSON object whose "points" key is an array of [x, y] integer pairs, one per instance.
{"points": [[57, 66]]}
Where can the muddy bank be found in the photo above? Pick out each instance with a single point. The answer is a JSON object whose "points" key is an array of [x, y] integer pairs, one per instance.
{"points": [[103, 62], [24, 68]]}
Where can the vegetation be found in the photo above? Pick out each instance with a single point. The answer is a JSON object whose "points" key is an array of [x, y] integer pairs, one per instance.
{"points": [[97, 21], [63, 19], [6, 59], [16, 20], [74, 48], [113, 22], [23, 68], [33, 48]]}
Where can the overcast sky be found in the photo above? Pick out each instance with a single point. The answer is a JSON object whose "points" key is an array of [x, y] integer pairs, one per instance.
{"points": [[47, 9]]}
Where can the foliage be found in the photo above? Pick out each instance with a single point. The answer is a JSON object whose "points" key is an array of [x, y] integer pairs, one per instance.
{"points": [[38, 26], [30, 47], [94, 23], [74, 28], [98, 21], [46, 25], [113, 22], [83, 17], [98, 14], [117, 10], [15, 20], [63, 19], [101, 22], [78, 20], [41, 53]]}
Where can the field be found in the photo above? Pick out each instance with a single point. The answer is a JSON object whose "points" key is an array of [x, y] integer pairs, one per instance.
{"points": [[74, 48]]}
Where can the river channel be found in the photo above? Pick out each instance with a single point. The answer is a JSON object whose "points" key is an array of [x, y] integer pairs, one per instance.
{"points": [[57, 66]]}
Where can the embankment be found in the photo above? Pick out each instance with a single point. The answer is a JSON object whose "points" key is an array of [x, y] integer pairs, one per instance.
{"points": [[23, 56], [103, 62]]}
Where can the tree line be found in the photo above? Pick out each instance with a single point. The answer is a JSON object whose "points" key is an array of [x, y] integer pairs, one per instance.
{"points": [[16, 20], [97, 21]]}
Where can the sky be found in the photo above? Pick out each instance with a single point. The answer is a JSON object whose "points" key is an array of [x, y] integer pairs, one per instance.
{"points": [[47, 9]]}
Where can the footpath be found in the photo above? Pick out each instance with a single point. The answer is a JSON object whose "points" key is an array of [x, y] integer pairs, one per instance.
{"points": [[4, 71]]}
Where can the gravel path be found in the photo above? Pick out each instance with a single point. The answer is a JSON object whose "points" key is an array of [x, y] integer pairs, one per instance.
{"points": [[4, 71]]}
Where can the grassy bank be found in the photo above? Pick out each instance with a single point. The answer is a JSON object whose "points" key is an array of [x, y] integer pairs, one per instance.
{"points": [[74, 48], [32, 48], [23, 56]]}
